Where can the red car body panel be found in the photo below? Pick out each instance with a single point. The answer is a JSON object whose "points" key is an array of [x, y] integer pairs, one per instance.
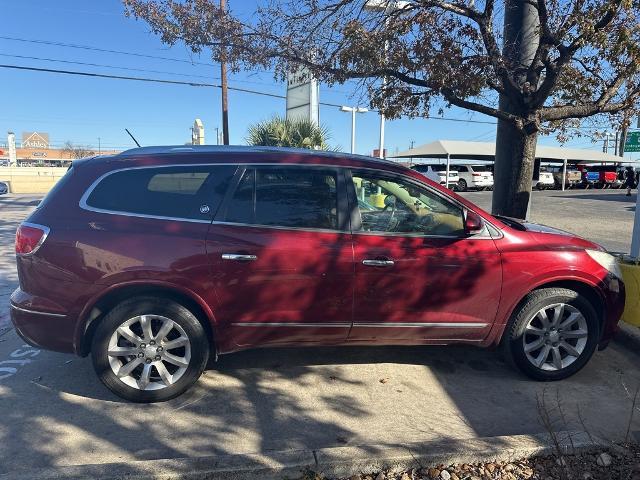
{"points": [[440, 282], [301, 279], [305, 287]]}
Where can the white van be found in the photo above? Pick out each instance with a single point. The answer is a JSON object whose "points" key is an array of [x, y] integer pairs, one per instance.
{"points": [[438, 173]]}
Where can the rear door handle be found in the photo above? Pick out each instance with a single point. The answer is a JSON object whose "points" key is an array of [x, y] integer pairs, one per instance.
{"points": [[239, 257], [378, 263]]}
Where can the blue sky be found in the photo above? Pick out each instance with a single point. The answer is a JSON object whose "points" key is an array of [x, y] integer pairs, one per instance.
{"points": [[84, 109]]}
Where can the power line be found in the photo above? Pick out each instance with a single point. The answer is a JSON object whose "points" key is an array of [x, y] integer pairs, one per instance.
{"points": [[139, 79], [200, 84], [105, 66], [104, 50]]}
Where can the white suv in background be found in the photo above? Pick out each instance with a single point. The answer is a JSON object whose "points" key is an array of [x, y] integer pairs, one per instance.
{"points": [[474, 176], [545, 181], [438, 173]]}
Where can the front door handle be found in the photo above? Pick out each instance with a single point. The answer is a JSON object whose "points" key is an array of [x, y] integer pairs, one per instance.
{"points": [[239, 257], [378, 263]]}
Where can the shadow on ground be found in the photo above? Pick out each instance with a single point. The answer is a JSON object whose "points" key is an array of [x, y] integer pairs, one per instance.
{"points": [[55, 412]]}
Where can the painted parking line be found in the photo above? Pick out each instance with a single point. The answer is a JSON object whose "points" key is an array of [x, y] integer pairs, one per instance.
{"points": [[16, 360]]}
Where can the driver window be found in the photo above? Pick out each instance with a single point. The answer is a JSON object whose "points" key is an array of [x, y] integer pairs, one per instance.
{"points": [[391, 206]]}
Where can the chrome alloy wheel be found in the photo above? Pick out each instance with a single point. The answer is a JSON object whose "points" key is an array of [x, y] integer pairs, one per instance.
{"points": [[555, 337], [146, 360]]}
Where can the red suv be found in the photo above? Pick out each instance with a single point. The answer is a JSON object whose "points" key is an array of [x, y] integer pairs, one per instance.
{"points": [[155, 259]]}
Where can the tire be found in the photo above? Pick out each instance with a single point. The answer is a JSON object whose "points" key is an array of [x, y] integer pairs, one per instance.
{"points": [[190, 357], [462, 185], [517, 335]]}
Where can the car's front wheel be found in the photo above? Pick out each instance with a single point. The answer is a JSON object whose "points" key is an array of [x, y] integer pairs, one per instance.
{"points": [[553, 334], [462, 185], [149, 349]]}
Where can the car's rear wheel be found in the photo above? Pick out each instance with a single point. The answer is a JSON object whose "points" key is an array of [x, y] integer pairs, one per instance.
{"points": [[553, 334], [149, 349]]}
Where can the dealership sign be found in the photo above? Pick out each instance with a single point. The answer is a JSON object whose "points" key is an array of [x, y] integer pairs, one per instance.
{"points": [[35, 140], [633, 142], [303, 93]]}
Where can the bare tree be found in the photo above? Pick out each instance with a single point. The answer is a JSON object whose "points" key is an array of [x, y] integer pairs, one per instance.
{"points": [[558, 61], [77, 151]]}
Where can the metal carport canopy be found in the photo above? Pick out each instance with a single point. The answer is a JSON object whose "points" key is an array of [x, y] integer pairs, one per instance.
{"points": [[455, 149]]}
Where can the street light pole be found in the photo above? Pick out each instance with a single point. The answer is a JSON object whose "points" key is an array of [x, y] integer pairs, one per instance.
{"points": [[353, 130], [385, 6], [353, 111]]}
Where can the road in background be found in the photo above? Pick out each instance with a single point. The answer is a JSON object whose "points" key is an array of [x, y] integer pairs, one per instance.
{"points": [[54, 411]]}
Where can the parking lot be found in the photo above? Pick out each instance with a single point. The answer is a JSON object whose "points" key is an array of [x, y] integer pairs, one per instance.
{"points": [[54, 411], [603, 216]]}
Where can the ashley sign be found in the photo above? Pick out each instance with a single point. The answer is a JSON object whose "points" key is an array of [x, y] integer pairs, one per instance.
{"points": [[35, 140]]}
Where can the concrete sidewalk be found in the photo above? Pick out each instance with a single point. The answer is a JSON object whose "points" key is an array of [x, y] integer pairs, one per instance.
{"points": [[55, 413], [339, 462]]}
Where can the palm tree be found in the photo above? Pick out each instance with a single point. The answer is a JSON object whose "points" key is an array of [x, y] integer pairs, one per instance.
{"points": [[282, 132]]}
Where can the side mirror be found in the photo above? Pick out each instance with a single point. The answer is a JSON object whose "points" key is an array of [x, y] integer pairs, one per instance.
{"points": [[473, 223]]}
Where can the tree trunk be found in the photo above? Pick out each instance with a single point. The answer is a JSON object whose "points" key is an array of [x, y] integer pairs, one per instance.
{"points": [[513, 172], [515, 148]]}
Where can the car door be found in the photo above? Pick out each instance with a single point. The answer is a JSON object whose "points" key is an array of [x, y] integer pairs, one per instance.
{"points": [[418, 277], [282, 258]]}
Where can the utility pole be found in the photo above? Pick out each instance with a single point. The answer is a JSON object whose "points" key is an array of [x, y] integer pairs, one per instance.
{"points": [[521, 40], [623, 140], [223, 75], [99, 147]]}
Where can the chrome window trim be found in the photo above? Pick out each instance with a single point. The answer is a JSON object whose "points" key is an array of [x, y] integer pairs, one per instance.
{"points": [[277, 227], [422, 325], [83, 200], [366, 325], [25, 310], [291, 324], [46, 230]]}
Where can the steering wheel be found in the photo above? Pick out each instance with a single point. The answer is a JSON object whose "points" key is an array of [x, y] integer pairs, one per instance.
{"points": [[392, 208]]}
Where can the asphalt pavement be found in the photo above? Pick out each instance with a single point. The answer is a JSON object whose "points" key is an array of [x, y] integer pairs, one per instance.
{"points": [[603, 216], [54, 411]]}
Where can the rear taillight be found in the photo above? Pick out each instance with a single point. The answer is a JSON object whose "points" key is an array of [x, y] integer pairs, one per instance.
{"points": [[29, 237], [476, 174]]}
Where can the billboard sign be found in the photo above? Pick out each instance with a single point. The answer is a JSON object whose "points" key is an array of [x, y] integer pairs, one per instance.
{"points": [[632, 144], [11, 143], [303, 94], [197, 133], [35, 140]]}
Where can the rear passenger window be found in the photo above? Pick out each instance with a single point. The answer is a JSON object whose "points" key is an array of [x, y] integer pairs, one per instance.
{"points": [[286, 197], [177, 192]]}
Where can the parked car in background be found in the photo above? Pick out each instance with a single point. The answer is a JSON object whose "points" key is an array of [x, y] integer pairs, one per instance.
{"points": [[157, 259], [4, 188], [438, 173], [475, 177], [573, 177], [545, 181], [600, 176]]}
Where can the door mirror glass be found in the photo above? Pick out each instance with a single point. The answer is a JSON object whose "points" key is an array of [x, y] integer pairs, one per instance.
{"points": [[473, 223]]}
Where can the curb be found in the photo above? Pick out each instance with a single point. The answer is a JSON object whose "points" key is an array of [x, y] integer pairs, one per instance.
{"points": [[330, 462], [628, 336]]}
